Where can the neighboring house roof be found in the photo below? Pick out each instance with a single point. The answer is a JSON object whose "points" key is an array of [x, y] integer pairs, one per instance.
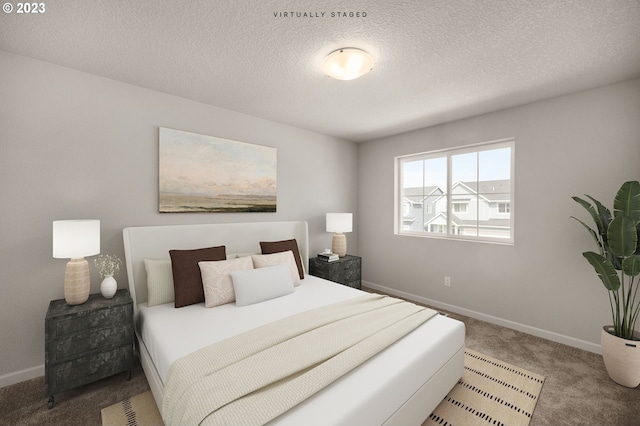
{"points": [[491, 223], [442, 215], [418, 194], [419, 190], [492, 190]]}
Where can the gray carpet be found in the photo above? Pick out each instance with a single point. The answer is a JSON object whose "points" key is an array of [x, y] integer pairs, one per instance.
{"points": [[577, 390]]}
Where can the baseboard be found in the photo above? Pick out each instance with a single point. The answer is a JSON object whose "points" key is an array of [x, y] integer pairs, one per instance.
{"points": [[21, 376], [545, 334]]}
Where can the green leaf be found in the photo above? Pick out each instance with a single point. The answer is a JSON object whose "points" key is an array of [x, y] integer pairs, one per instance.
{"points": [[627, 201], [597, 219], [631, 265], [604, 215], [604, 269], [622, 236], [592, 233]]}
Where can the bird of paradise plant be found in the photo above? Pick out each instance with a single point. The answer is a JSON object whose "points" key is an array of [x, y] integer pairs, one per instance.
{"points": [[617, 261]]}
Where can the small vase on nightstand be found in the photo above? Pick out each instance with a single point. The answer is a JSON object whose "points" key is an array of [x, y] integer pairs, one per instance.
{"points": [[108, 287], [108, 265]]}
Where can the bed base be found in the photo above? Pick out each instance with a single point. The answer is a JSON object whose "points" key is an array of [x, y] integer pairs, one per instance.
{"points": [[416, 410], [157, 388], [413, 412]]}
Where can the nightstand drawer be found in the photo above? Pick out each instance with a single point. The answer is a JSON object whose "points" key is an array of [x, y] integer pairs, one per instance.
{"points": [[346, 270], [85, 341], [87, 369], [355, 284], [353, 263], [321, 268], [61, 326]]}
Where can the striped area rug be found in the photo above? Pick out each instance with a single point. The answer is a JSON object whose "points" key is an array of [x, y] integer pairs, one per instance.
{"points": [[140, 410], [490, 392]]}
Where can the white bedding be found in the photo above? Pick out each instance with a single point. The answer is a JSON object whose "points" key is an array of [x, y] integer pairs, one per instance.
{"points": [[361, 397]]}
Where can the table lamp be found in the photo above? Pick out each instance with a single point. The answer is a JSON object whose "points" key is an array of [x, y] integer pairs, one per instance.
{"points": [[338, 223], [75, 239]]}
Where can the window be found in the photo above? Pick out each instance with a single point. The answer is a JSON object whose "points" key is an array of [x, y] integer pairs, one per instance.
{"points": [[467, 193], [460, 207], [440, 229]]}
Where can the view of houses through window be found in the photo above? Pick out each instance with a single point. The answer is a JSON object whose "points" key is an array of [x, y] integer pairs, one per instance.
{"points": [[462, 193]]}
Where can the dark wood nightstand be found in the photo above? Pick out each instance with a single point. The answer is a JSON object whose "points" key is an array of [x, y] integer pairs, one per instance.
{"points": [[347, 270], [88, 342]]}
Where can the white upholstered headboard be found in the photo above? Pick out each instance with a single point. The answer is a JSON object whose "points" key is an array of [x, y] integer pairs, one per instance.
{"points": [[154, 242]]}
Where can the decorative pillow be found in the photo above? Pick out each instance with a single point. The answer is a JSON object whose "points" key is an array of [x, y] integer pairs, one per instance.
{"points": [[285, 257], [159, 282], [258, 285], [241, 254], [187, 281], [216, 280], [269, 247]]}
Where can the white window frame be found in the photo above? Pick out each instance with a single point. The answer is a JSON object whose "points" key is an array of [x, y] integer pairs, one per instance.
{"points": [[449, 153]]}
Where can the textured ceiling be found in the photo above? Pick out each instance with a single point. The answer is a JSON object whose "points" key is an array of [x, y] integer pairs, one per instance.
{"points": [[436, 60]]}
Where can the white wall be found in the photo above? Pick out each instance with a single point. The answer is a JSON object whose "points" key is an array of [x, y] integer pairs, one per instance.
{"points": [[588, 142], [74, 145]]}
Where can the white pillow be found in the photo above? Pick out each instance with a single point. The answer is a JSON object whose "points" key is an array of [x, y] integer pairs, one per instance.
{"points": [[258, 285], [284, 257], [159, 282], [216, 279]]}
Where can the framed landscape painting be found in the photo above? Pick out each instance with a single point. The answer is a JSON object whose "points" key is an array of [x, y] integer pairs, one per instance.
{"points": [[199, 173]]}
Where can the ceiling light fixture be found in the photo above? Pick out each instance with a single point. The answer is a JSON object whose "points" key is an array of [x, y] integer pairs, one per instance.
{"points": [[347, 63]]}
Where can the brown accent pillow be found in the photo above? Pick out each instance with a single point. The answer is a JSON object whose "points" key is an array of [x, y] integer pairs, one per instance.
{"points": [[187, 280], [269, 247]]}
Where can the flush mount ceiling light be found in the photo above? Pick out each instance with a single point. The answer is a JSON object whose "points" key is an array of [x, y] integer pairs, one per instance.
{"points": [[347, 63]]}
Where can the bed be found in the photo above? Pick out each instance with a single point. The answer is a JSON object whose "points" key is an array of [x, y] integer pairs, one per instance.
{"points": [[399, 386]]}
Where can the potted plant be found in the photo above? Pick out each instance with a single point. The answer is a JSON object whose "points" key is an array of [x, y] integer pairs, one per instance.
{"points": [[108, 265], [617, 263]]}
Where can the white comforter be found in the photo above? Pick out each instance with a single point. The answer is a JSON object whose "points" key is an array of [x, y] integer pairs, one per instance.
{"points": [[356, 398]]}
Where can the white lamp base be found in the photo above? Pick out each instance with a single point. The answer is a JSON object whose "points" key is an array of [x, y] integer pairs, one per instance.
{"points": [[339, 244], [77, 282]]}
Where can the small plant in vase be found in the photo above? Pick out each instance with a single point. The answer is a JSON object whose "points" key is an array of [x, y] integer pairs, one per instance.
{"points": [[108, 266]]}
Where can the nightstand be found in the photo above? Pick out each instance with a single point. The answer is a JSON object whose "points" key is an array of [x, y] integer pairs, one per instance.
{"points": [[347, 270], [88, 342]]}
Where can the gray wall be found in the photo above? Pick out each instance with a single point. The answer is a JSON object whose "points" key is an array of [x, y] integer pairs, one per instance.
{"points": [[588, 142], [74, 145]]}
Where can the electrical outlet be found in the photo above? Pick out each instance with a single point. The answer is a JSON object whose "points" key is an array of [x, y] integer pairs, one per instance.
{"points": [[447, 281]]}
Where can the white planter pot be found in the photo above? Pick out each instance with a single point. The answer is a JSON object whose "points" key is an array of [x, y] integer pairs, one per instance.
{"points": [[621, 358], [108, 287]]}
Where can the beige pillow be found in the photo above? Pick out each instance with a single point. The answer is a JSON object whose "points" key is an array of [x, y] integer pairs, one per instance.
{"points": [[216, 279], [269, 247], [264, 260], [241, 254], [159, 282]]}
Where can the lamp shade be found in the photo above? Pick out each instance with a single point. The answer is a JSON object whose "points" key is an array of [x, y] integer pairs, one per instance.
{"points": [[339, 222], [74, 239]]}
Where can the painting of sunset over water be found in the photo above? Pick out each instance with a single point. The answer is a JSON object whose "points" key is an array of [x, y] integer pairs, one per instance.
{"points": [[199, 173]]}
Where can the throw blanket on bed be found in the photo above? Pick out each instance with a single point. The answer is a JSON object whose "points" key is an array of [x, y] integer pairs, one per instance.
{"points": [[254, 377]]}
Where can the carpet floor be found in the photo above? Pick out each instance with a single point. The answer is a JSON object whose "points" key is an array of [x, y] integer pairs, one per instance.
{"points": [[576, 391]]}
